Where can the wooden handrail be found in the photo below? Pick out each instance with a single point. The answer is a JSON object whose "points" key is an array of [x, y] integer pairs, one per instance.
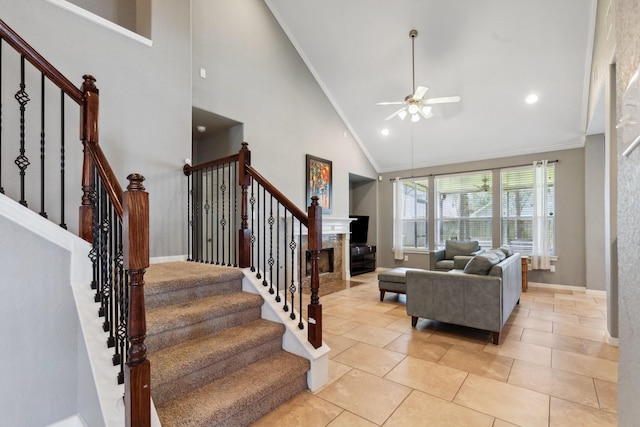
{"points": [[288, 204], [39, 62], [112, 186], [188, 169]]}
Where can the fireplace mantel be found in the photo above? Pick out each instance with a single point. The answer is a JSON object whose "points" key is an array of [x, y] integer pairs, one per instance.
{"points": [[332, 225]]}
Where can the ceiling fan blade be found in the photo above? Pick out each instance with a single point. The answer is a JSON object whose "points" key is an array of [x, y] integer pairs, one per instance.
{"points": [[390, 103], [420, 92], [442, 100], [395, 113]]}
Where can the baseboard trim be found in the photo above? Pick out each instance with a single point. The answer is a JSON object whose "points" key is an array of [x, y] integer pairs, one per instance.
{"points": [[161, 259], [593, 292]]}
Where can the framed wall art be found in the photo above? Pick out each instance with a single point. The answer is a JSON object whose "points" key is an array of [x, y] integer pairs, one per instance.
{"points": [[319, 182]]}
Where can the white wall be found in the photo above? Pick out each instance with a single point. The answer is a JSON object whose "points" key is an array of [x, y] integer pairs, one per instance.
{"points": [[38, 329], [145, 96], [255, 76]]}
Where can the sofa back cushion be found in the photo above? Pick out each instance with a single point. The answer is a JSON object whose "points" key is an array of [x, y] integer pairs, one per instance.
{"points": [[481, 264], [454, 248]]}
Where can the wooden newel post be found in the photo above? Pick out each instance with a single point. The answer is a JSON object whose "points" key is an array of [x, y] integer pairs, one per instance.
{"points": [[135, 229], [88, 135], [314, 309], [244, 233]]}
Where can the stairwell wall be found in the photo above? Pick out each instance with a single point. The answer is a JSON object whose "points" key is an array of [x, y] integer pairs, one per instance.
{"points": [[145, 97], [255, 76]]}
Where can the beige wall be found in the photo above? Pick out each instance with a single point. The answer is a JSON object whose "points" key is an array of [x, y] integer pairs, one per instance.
{"points": [[570, 214], [256, 77]]}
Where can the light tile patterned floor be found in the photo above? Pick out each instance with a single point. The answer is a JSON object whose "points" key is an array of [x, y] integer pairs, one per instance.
{"points": [[553, 366]]}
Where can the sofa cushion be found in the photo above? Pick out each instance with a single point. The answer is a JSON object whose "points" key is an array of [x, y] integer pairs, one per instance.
{"points": [[445, 264], [481, 264], [454, 248]]}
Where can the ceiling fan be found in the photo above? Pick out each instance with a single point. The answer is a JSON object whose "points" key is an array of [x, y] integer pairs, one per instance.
{"points": [[417, 105]]}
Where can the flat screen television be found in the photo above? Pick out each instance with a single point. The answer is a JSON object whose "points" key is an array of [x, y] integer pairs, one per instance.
{"points": [[359, 228]]}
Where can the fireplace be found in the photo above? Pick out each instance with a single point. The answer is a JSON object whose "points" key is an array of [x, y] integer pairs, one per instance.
{"points": [[325, 264]]}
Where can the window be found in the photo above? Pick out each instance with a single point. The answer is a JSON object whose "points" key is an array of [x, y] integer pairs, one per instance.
{"points": [[415, 213], [464, 208], [517, 208]]}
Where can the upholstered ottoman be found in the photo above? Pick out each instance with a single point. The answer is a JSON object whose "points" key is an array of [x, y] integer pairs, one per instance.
{"points": [[394, 280]]}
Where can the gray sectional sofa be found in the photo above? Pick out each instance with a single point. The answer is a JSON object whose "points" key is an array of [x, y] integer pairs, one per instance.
{"points": [[483, 297]]}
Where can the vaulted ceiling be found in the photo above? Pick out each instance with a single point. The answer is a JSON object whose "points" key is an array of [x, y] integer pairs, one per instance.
{"points": [[492, 53]]}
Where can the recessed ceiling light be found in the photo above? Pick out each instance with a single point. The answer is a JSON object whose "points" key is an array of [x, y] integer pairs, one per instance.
{"points": [[532, 99], [384, 132]]}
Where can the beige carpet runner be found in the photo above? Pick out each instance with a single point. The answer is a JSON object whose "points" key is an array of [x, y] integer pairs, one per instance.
{"points": [[214, 361]]}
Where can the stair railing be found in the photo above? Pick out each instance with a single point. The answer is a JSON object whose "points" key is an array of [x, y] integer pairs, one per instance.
{"points": [[116, 222], [275, 238]]}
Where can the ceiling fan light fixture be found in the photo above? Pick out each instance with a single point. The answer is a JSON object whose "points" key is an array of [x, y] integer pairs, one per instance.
{"points": [[415, 117], [412, 109], [425, 110], [402, 114]]}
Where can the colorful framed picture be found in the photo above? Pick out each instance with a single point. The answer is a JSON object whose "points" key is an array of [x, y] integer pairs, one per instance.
{"points": [[319, 182]]}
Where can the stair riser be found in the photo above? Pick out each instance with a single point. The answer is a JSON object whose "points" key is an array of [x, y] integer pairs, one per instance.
{"points": [[187, 294], [244, 416], [192, 380], [165, 339]]}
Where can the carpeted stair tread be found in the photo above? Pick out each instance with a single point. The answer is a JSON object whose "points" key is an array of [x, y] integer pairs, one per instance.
{"points": [[194, 355], [238, 394], [188, 313], [171, 276]]}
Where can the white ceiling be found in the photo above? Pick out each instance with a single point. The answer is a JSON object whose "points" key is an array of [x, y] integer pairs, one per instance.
{"points": [[492, 53]]}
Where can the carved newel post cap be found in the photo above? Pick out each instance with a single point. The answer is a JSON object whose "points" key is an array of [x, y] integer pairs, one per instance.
{"points": [[245, 145], [135, 182], [314, 200]]}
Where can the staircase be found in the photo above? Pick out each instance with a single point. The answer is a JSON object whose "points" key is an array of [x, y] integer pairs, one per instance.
{"points": [[214, 361]]}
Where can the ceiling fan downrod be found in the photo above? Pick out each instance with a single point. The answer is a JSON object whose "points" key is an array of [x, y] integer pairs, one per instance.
{"points": [[413, 34]]}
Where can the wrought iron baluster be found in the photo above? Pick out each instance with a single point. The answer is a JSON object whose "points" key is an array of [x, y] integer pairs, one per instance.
{"points": [[271, 261], [207, 172], [292, 247], [110, 315], [278, 250], [252, 202], [230, 221], [22, 161], [300, 324], [257, 234], [189, 218], [223, 220], [197, 227], [121, 330], [104, 257], [235, 215], [292, 285], [62, 200], [93, 253], [43, 212], [264, 235], [217, 216]]}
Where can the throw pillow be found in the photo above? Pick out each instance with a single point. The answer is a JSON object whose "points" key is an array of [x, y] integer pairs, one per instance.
{"points": [[507, 250], [453, 248], [481, 264], [499, 253]]}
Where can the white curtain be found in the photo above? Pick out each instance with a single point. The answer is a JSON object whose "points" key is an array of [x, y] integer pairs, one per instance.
{"points": [[540, 259], [398, 253]]}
